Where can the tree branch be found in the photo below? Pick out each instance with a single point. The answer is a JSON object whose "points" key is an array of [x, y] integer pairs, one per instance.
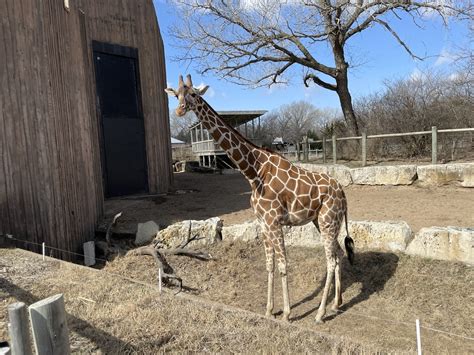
{"points": [[319, 82]]}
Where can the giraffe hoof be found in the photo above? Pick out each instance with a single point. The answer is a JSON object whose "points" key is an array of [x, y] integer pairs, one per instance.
{"points": [[285, 318], [335, 310], [270, 315], [319, 321]]}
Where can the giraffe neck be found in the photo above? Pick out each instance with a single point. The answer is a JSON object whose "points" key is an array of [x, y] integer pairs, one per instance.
{"points": [[243, 153]]}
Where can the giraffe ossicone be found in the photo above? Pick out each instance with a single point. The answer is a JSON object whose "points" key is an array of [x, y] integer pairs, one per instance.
{"points": [[282, 195]]}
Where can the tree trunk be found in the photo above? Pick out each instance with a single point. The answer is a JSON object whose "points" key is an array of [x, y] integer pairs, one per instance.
{"points": [[342, 82], [346, 100]]}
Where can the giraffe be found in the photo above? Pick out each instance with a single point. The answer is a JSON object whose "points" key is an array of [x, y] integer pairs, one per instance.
{"points": [[282, 195]]}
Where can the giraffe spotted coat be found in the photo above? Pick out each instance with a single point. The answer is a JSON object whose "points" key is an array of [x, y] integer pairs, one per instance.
{"points": [[282, 195]]}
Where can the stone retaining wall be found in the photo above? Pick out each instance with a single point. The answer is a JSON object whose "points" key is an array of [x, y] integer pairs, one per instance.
{"points": [[461, 174], [449, 243]]}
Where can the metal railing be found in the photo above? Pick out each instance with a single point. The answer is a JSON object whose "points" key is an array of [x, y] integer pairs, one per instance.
{"points": [[434, 143], [206, 146]]}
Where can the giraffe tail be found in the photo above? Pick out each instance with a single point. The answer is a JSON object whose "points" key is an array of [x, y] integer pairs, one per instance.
{"points": [[349, 242]]}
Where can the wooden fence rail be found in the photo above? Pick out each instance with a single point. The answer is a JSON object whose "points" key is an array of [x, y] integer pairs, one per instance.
{"points": [[434, 142]]}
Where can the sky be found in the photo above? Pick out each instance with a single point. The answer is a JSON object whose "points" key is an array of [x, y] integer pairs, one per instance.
{"points": [[381, 57]]}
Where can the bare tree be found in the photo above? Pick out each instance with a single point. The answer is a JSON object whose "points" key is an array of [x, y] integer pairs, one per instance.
{"points": [[179, 126], [294, 120], [416, 104], [261, 42]]}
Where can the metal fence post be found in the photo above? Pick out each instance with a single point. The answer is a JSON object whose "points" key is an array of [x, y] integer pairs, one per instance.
{"points": [[324, 150], [364, 148], [334, 150], [434, 145]]}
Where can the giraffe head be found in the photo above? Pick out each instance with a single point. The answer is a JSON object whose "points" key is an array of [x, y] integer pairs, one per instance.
{"points": [[186, 95]]}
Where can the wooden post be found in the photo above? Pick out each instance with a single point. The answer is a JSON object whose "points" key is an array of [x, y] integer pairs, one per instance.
{"points": [[334, 150], [18, 329], [434, 145], [49, 326], [298, 151], [364, 148], [305, 149], [324, 150]]}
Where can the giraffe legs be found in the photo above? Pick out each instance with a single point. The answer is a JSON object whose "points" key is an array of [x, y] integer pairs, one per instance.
{"points": [[269, 252], [333, 259], [274, 244], [337, 281], [327, 286]]}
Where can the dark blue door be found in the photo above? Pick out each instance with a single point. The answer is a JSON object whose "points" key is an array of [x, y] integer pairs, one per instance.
{"points": [[123, 133]]}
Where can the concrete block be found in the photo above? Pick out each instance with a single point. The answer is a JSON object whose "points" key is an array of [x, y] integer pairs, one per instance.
{"points": [[339, 172], [146, 232], [384, 175], [245, 231], [442, 174], [390, 235], [209, 231], [444, 243]]}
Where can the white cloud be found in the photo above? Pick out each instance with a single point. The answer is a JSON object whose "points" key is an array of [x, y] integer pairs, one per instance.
{"points": [[445, 57]]}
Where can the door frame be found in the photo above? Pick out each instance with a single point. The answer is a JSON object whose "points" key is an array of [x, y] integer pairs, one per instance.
{"points": [[128, 52]]}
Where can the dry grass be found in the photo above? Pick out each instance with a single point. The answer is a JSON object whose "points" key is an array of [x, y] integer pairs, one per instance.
{"points": [[383, 293], [110, 315]]}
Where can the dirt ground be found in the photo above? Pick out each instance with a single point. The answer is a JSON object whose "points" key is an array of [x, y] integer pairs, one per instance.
{"points": [[383, 293], [201, 196]]}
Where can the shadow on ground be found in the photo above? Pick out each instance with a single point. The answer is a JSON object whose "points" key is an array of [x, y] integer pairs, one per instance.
{"points": [[371, 269], [104, 341]]}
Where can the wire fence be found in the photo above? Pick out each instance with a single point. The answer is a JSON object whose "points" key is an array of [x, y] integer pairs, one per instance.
{"points": [[382, 320]]}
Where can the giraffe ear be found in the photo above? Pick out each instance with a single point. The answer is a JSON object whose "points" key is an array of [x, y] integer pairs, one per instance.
{"points": [[171, 91], [202, 91]]}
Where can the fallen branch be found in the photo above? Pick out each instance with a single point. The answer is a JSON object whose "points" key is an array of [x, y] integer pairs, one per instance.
{"points": [[167, 273], [191, 253], [109, 228]]}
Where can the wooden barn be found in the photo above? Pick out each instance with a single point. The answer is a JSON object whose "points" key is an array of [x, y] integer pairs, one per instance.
{"points": [[83, 115]]}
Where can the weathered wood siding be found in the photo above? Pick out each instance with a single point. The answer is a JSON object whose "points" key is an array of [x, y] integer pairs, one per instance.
{"points": [[50, 171]]}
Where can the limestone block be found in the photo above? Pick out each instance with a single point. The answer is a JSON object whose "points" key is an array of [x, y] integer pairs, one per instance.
{"points": [[146, 232], [444, 243], [389, 235], [246, 231], [208, 231], [440, 174], [340, 172], [384, 175], [307, 236]]}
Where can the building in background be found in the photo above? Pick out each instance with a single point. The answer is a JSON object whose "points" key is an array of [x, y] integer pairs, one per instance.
{"points": [[83, 115]]}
